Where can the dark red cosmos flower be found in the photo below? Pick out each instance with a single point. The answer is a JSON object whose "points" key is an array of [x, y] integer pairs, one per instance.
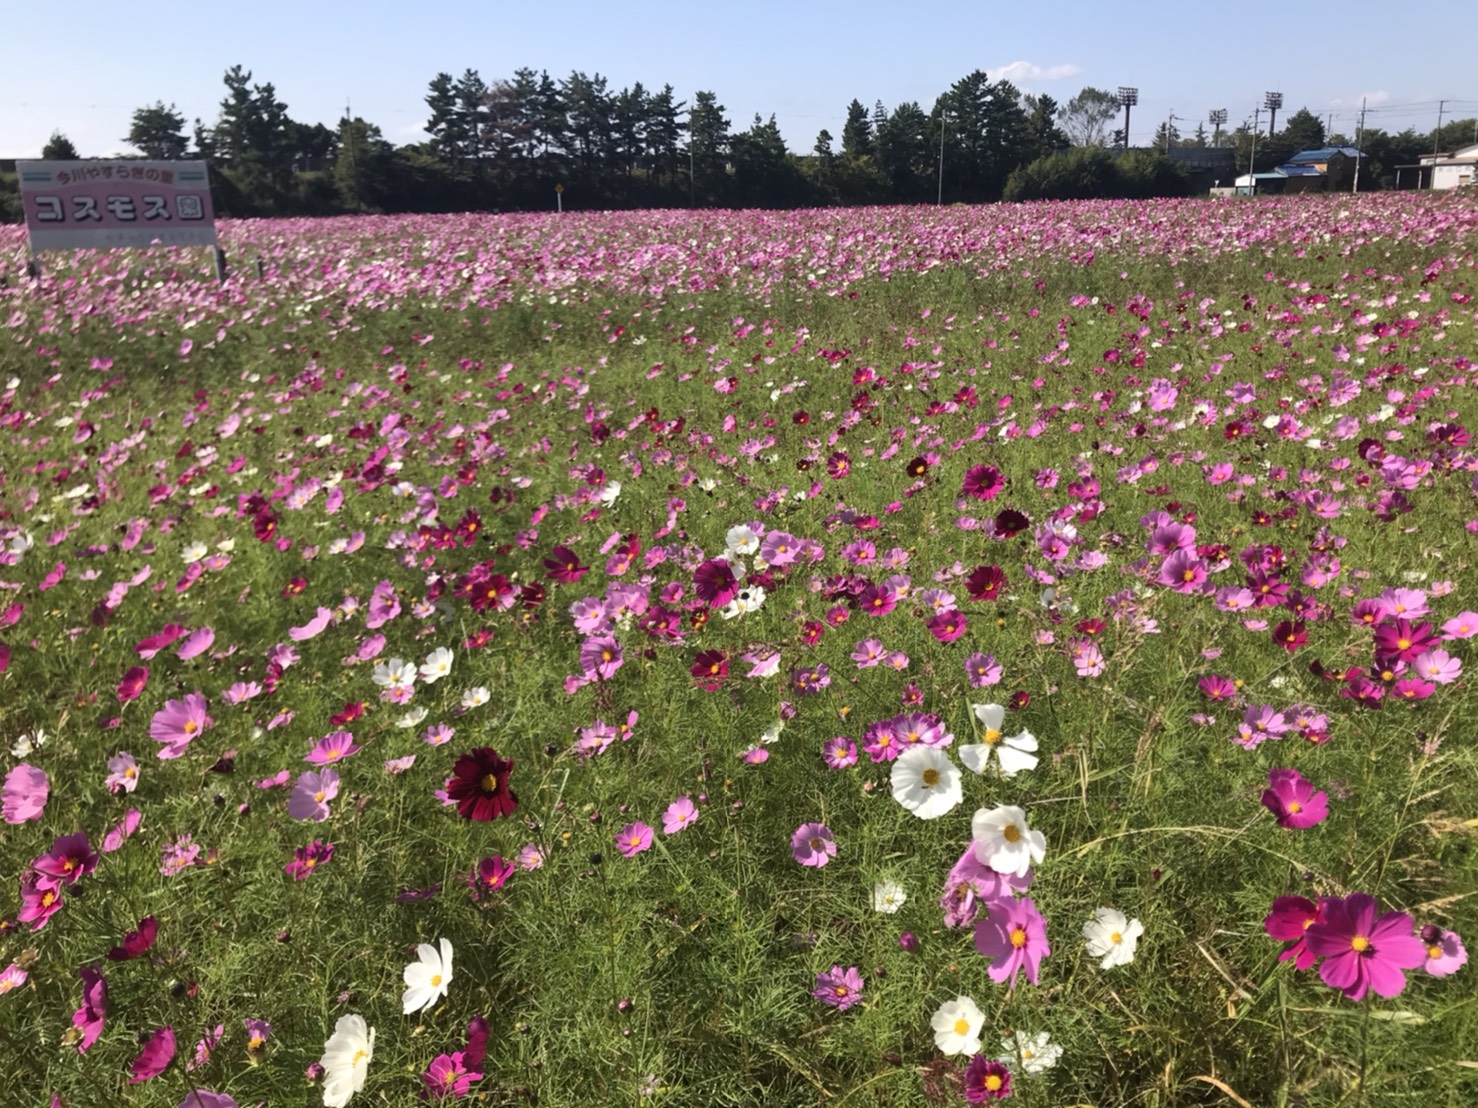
{"points": [[294, 587], [1290, 635], [983, 482], [479, 785], [918, 467], [710, 668], [353, 709], [563, 565], [985, 582], [1010, 522], [136, 943]]}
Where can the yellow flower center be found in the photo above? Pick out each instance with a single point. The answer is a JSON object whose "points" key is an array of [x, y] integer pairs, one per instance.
{"points": [[1404, 644], [1188, 575], [962, 1027], [817, 844], [840, 990], [1294, 807], [1018, 937], [1434, 951], [991, 736], [1359, 944], [359, 1056], [318, 796], [1011, 833], [1116, 938], [490, 783], [993, 1082], [191, 727], [436, 980], [930, 777]]}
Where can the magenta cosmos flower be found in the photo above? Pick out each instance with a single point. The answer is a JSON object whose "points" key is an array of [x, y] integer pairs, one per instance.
{"points": [[89, 1018], [69, 858], [333, 747], [308, 858], [839, 988], [715, 583], [448, 1076], [1293, 801], [155, 1058], [24, 794], [1289, 921], [1362, 952], [1014, 934], [179, 723], [986, 1079], [633, 839], [983, 483], [813, 845]]}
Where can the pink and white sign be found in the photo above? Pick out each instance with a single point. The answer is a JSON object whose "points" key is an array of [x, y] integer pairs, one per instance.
{"points": [[104, 204]]}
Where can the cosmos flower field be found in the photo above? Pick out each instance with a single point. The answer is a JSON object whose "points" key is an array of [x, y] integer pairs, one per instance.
{"points": [[879, 657]]}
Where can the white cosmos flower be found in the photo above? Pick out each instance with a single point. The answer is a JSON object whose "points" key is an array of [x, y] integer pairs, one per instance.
{"points": [[193, 552], [1112, 936], [1013, 753], [413, 717], [888, 897], [1033, 1053], [610, 492], [771, 734], [749, 598], [1004, 842], [926, 782], [346, 1059], [957, 1026], [397, 673], [742, 540], [426, 979], [475, 697], [437, 665]]}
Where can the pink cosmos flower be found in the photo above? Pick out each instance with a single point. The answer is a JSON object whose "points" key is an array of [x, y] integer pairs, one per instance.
{"points": [[136, 943], [308, 858], [1014, 934], [41, 898], [1464, 625], [179, 723], [313, 628], [813, 844], [1361, 952], [310, 796], [840, 752], [986, 1080], [634, 839], [333, 747], [69, 859], [681, 814], [1293, 801], [155, 1058], [12, 977], [715, 583], [123, 774], [1445, 951], [1437, 666], [491, 873], [122, 830], [839, 988], [982, 670], [24, 794], [89, 1018], [600, 656], [948, 626], [196, 644]]}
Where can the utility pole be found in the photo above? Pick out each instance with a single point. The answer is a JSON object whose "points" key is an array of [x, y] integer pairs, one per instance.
{"points": [[353, 154], [1169, 126], [1128, 97], [1359, 137], [943, 108], [1252, 157], [1436, 141], [692, 163]]}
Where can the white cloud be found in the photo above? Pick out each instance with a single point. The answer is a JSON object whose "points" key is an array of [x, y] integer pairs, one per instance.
{"points": [[1024, 72]]}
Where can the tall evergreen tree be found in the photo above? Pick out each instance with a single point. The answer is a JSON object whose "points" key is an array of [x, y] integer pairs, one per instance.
{"points": [[708, 142], [1303, 130], [857, 136], [58, 148], [158, 132]]}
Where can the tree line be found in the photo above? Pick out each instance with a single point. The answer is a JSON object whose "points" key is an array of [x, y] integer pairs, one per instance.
{"points": [[507, 144]]}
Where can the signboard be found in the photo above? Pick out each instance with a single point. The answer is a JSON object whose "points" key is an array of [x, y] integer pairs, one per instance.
{"points": [[105, 204]]}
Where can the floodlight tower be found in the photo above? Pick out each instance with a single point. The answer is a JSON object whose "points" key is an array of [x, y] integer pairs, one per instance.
{"points": [[1272, 101], [1217, 117], [1128, 97]]}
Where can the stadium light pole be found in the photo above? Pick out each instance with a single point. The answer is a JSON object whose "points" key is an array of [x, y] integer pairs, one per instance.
{"points": [[1272, 101], [1217, 117], [1128, 97]]}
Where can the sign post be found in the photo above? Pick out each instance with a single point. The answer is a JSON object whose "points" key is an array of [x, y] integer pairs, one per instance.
{"points": [[102, 205]]}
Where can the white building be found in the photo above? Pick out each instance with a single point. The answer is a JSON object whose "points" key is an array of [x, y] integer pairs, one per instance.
{"points": [[1450, 171]]}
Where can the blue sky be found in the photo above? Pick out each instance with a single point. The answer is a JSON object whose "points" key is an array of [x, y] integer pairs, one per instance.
{"points": [[84, 66]]}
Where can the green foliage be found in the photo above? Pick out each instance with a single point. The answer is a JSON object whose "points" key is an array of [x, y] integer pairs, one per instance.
{"points": [[59, 148], [1091, 172], [1086, 118], [1303, 130], [158, 132]]}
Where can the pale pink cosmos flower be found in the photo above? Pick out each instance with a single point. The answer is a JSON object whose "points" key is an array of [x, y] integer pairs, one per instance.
{"points": [[333, 747], [681, 814], [196, 644], [179, 723], [310, 796], [1438, 666], [24, 794], [122, 831]]}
